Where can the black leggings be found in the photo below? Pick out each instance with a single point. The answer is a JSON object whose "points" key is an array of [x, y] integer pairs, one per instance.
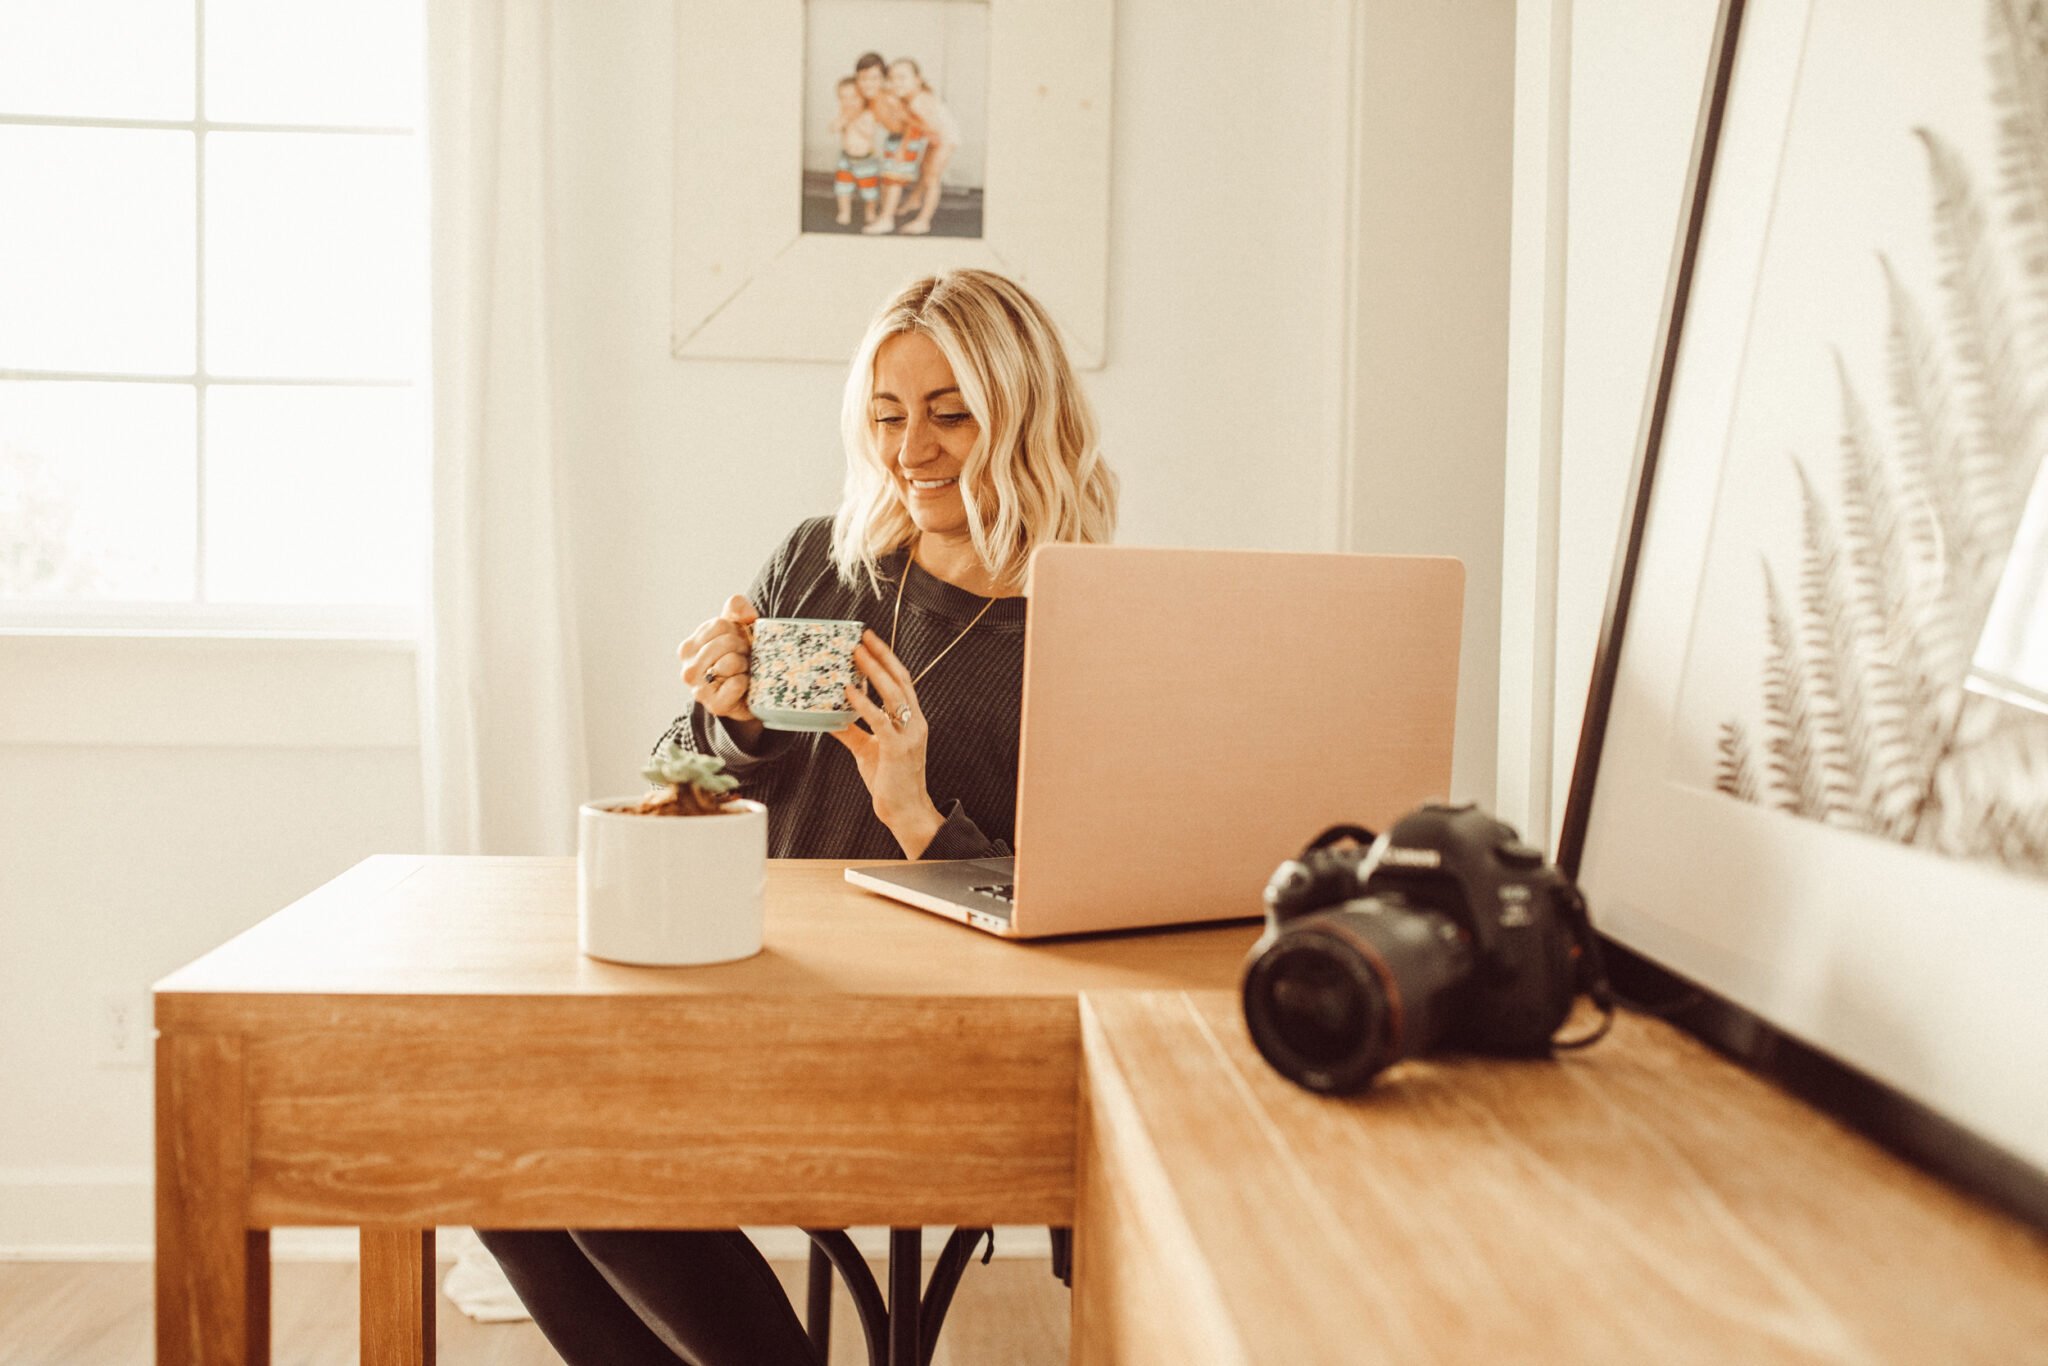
{"points": [[652, 1297]]}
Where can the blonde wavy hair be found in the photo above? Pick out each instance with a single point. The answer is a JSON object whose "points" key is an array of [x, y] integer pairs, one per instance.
{"points": [[1037, 454]]}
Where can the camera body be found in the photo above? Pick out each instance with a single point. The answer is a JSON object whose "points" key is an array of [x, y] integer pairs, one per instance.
{"points": [[1447, 931]]}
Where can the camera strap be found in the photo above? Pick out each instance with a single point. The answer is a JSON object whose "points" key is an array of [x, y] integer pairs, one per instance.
{"points": [[1591, 967], [1357, 834]]}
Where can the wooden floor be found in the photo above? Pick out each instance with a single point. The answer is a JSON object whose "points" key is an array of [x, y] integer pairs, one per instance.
{"points": [[1008, 1313]]}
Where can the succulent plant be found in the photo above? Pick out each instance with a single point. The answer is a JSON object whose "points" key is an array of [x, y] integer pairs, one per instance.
{"points": [[686, 783]]}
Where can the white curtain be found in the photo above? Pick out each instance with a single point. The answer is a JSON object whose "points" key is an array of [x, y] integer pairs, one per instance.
{"points": [[501, 734], [501, 699]]}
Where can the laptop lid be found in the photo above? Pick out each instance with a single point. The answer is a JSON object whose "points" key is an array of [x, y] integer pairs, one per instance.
{"points": [[1193, 717]]}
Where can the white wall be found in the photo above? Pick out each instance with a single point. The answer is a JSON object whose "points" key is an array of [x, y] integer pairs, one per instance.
{"points": [[156, 796], [1637, 77], [1436, 111], [1604, 201], [1218, 399], [1226, 397]]}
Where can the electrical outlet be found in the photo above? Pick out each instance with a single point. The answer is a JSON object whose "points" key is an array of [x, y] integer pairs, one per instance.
{"points": [[124, 1034]]}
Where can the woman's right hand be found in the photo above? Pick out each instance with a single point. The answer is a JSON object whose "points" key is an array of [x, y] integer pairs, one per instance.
{"points": [[716, 659]]}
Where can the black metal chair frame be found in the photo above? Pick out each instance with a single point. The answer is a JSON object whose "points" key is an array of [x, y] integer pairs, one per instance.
{"points": [[905, 1330]]}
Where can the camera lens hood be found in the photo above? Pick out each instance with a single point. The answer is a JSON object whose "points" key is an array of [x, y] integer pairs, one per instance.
{"points": [[1320, 1009]]}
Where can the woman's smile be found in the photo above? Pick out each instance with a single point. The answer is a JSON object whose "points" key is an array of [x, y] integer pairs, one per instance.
{"points": [[922, 425]]}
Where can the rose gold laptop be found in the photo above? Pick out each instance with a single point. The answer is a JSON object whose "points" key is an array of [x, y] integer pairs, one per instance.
{"points": [[1192, 718]]}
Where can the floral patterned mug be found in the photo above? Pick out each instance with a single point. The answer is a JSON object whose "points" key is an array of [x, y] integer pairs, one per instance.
{"points": [[802, 667]]}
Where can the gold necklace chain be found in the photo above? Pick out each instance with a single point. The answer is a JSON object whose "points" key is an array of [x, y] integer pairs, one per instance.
{"points": [[896, 620]]}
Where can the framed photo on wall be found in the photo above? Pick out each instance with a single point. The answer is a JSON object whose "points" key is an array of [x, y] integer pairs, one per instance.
{"points": [[1813, 777], [829, 151]]}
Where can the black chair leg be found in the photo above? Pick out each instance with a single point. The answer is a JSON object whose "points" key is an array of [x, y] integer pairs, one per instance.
{"points": [[1063, 1255], [906, 1270], [860, 1283], [938, 1292], [818, 1302], [905, 1331]]}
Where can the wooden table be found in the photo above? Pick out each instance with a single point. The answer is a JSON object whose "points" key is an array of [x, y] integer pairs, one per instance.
{"points": [[418, 1043], [1644, 1201]]}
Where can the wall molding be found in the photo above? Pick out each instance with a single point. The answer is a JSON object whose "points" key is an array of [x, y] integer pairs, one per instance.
{"points": [[1348, 109], [73, 1214], [1534, 452]]}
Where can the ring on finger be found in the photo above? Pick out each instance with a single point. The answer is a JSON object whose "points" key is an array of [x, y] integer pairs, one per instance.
{"points": [[903, 715], [710, 677]]}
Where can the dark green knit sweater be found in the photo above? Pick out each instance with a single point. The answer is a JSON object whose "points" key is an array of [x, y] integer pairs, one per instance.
{"points": [[818, 807]]}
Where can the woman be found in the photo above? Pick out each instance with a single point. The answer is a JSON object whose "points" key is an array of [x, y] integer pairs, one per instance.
{"points": [[968, 445]]}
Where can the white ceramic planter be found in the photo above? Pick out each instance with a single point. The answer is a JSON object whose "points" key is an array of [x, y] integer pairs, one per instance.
{"points": [[670, 890]]}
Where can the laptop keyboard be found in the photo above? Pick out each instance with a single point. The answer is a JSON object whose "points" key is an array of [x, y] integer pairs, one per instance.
{"points": [[1001, 891]]}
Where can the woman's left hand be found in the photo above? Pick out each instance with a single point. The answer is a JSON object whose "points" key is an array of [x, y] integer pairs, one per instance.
{"points": [[890, 752]]}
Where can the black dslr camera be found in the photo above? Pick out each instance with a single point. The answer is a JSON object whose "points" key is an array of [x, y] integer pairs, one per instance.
{"points": [[1446, 930]]}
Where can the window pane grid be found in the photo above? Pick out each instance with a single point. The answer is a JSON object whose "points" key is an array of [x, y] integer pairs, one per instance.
{"points": [[124, 612], [118, 377], [207, 125]]}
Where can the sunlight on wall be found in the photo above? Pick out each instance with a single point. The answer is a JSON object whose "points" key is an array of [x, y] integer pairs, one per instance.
{"points": [[2012, 655]]}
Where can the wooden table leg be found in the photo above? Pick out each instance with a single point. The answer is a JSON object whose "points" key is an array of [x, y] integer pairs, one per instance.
{"points": [[398, 1296], [212, 1271]]}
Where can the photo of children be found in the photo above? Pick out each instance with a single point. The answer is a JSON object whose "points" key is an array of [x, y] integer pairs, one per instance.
{"points": [[860, 166], [893, 141]]}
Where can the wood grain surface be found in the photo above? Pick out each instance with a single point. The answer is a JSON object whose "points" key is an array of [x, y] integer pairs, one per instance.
{"points": [[410, 927], [1642, 1201], [397, 1295], [212, 1268], [425, 1045], [1144, 1288], [665, 1112], [419, 1042]]}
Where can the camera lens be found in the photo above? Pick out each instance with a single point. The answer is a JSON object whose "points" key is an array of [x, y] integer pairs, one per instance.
{"points": [[1342, 994], [1316, 1006]]}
